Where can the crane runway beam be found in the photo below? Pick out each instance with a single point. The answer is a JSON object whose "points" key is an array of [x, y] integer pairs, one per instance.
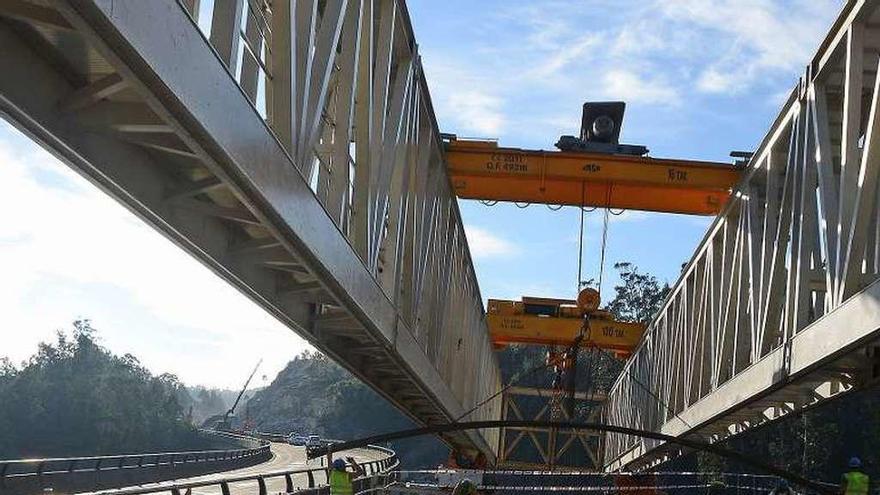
{"points": [[482, 170]]}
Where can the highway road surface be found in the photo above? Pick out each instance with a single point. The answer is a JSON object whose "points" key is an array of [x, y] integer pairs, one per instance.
{"points": [[284, 458]]}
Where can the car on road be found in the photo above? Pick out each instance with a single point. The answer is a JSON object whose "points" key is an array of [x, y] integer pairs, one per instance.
{"points": [[296, 439], [314, 441]]}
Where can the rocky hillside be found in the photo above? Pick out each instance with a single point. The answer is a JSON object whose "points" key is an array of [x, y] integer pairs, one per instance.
{"points": [[313, 395]]}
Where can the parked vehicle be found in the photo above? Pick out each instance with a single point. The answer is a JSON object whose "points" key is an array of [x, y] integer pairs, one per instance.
{"points": [[296, 439], [314, 441]]}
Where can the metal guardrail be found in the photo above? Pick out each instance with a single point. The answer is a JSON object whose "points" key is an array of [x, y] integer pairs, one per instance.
{"points": [[272, 437], [317, 478], [49, 471]]}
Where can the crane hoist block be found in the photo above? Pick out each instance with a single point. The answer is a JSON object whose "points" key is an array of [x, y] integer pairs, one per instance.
{"points": [[546, 321]]}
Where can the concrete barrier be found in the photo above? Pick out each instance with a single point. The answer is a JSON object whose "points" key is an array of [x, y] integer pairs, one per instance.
{"points": [[76, 474]]}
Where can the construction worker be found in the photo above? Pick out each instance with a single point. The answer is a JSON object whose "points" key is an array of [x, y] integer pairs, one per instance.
{"points": [[341, 480], [855, 482]]}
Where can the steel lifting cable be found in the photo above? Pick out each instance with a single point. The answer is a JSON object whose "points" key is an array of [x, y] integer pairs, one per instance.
{"points": [[592, 362], [580, 279], [513, 381], [517, 378], [601, 275], [640, 384], [605, 234], [569, 374], [592, 369], [602, 252]]}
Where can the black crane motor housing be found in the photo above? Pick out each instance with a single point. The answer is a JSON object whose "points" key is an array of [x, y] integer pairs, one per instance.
{"points": [[600, 131], [601, 121]]}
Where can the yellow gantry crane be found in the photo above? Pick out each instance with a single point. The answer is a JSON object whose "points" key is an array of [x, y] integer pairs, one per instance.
{"points": [[592, 170], [480, 169], [553, 322]]}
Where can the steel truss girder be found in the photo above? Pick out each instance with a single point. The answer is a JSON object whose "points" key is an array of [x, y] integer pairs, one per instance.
{"points": [[547, 448], [777, 311], [311, 178]]}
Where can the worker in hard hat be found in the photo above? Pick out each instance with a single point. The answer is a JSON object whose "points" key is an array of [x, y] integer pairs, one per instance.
{"points": [[341, 480], [855, 481]]}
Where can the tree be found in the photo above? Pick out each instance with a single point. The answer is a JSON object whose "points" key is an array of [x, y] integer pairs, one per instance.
{"points": [[73, 397], [638, 297]]}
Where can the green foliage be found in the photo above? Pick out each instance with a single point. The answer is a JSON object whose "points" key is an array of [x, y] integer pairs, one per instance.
{"points": [[819, 442], [816, 443], [74, 398], [639, 295]]}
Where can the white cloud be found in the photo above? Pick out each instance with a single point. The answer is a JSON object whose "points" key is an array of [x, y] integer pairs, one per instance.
{"points": [[631, 216], [477, 112], [633, 88], [532, 62], [485, 244], [750, 39], [67, 251], [465, 102], [714, 81], [559, 59], [639, 37], [661, 49]]}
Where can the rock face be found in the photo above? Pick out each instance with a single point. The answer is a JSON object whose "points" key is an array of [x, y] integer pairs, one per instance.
{"points": [[313, 395], [299, 398]]}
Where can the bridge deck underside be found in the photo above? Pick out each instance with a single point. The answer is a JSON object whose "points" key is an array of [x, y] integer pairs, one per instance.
{"points": [[778, 310], [297, 157]]}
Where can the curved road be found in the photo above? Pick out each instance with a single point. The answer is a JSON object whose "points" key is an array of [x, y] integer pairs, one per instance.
{"points": [[284, 458]]}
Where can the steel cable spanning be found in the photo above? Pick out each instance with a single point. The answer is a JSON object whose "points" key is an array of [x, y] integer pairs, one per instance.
{"points": [[597, 427]]}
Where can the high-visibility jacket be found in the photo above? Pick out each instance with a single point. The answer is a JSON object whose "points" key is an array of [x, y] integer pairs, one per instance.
{"points": [[340, 483], [856, 483]]}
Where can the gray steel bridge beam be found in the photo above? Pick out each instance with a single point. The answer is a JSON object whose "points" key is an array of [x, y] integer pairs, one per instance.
{"points": [[779, 308], [134, 97]]}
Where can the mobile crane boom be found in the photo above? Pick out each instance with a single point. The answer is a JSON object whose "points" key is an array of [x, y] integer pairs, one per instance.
{"points": [[225, 425]]}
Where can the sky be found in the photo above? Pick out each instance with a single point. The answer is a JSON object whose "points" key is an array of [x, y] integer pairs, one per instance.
{"points": [[701, 78]]}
